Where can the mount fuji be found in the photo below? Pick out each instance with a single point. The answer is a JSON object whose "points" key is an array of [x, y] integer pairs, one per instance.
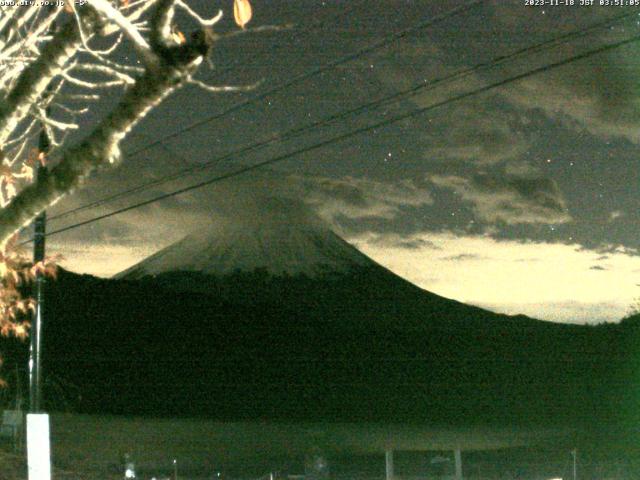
{"points": [[272, 315], [287, 258], [281, 244]]}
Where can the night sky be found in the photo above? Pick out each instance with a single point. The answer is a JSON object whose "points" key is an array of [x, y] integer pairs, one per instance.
{"points": [[523, 199]]}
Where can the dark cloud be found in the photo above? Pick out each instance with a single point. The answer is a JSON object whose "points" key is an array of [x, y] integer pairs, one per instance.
{"points": [[508, 198], [482, 131], [527, 260], [360, 197], [606, 249], [415, 244], [399, 241], [478, 132], [463, 256], [264, 194], [600, 92]]}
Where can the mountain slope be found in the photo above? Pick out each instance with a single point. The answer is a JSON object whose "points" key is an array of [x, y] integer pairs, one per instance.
{"points": [[138, 347], [298, 265], [281, 319], [281, 243]]}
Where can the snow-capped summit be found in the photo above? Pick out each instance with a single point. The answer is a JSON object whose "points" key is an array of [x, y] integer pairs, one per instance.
{"points": [[279, 239]]}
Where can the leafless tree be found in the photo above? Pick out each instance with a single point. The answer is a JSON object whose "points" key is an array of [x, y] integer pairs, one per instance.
{"points": [[54, 61]]}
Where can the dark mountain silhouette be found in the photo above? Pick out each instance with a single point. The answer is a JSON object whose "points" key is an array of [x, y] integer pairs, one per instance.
{"points": [[309, 328]]}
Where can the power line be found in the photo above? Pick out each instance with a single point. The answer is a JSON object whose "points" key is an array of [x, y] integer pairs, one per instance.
{"points": [[160, 142], [297, 79], [291, 133], [317, 71], [358, 131]]}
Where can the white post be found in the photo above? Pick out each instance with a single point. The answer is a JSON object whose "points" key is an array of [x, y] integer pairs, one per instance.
{"points": [[458, 457], [388, 456], [38, 448]]}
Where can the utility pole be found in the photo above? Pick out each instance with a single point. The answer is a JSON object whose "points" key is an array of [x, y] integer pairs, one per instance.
{"points": [[574, 454], [38, 437], [35, 376]]}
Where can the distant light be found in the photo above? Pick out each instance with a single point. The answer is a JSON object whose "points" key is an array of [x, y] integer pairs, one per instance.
{"points": [[129, 473]]}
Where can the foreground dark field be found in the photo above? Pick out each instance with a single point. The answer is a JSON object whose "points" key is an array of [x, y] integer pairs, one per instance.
{"points": [[92, 447], [252, 372]]}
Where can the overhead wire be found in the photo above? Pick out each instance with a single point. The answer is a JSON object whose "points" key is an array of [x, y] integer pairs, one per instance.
{"points": [[317, 71], [358, 131], [421, 87], [297, 79]]}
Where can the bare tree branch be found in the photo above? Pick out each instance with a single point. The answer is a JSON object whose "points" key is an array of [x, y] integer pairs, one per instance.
{"points": [[140, 44], [43, 76], [101, 147], [223, 88], [202, 21], [36, 77]]}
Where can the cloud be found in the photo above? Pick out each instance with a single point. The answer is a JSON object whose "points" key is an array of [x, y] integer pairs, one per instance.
{"points": [[597, 267], [357, 198], [565, 311], [478, 132], [254, 197], [103, 260], [552, 281], [402, 242], [599, 93], [509, 198], [482, 131], [463, 256], [607, 249]]}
